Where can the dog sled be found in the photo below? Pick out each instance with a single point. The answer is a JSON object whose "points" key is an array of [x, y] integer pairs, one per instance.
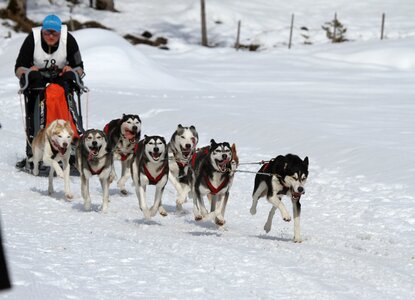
{"points": [[51, 103]]}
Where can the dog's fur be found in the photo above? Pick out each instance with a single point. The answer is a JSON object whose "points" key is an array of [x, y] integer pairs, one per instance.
{"points": [[123, 135], [52, 145], [181, 148], [287, 176], [94, 157], [214, 169], [150, 166]]}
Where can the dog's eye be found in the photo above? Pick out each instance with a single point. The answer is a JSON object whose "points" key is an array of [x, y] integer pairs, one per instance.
{"points": [[99, 137]]}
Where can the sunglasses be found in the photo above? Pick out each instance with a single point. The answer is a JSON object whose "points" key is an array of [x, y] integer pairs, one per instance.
{"points": [[51, 33]]}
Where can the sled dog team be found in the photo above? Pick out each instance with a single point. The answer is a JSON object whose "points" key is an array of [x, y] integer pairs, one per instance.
{"points": [[194, 172]]}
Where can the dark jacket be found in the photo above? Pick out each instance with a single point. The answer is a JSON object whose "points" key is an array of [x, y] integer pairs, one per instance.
{"points": [[25, 58]]}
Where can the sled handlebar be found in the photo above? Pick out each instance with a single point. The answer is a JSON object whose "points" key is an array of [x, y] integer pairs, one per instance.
{"points": [[55, 72], [26, 79], [78, 79]]}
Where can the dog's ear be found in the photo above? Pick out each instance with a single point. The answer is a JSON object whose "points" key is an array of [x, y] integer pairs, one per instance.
{"points": [[192, 127], [306, 161], [179, 126], [213, 143]]}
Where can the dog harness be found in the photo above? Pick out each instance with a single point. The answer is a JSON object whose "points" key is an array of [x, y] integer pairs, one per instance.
{"points": [[214, 190], [95, 172], [151, 179]]}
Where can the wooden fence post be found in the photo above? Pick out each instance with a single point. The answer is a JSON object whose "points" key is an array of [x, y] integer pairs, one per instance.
{"points": [[383, 26], [334, 28], [203, 20], [238, 36], [291, 31]]}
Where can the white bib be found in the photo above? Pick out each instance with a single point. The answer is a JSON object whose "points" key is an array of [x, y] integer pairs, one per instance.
{"points": [[41, 59]]}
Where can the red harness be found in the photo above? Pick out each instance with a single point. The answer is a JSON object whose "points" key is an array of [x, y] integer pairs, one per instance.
{"points": [[214, 190], [151, 179], [95, 172]]}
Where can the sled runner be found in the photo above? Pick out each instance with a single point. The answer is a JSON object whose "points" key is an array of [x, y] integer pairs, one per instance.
{"points": [[58, 100]]}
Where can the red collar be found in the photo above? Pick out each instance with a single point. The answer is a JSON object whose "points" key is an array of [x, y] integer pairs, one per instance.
{"points": [[214, 190], [151, 179]]}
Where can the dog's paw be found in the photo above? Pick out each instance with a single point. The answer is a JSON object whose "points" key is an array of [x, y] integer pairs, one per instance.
{"points": [[35, 172], [104, 208], [147, 214], [220, 221], [124, 192], [198, 218], [59, 173], [87, 206], [267, 227], [297, 240], [162, 211], [252, 210], [286, 218], [69, 196]]}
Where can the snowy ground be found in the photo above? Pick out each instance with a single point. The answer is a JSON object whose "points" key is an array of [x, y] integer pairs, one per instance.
{"points": [[348, 107]]}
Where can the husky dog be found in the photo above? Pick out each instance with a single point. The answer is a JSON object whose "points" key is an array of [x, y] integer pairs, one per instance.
{"points": [[287, 176], [93, 157], [52, 145], [150, 166], [214, 173], [123, 135], [181, 148]]}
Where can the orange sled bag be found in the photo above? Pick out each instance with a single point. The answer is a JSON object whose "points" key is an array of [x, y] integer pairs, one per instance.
{"points": [[57, 106]]}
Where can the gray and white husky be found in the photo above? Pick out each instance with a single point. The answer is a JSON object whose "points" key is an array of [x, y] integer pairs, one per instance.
{"points": [[93, 157], [123, 135], [150, 166], [283, 175], [214, 169], [181, 148]]}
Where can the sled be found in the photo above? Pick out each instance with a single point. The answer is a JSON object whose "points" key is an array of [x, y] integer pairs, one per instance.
{"points": [[53, 103]]}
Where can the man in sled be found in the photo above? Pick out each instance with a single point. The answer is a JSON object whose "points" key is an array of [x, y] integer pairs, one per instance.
{"points": [[49, 54]]}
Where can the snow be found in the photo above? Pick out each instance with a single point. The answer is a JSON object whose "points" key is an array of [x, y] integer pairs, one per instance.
{"points": [[348, 107]]}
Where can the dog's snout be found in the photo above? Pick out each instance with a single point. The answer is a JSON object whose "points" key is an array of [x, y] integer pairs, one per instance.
{"points": [[188, 146], [94, 143], [65, 145], [224, 156], [135, 128], [300, 189], [156, 149]]}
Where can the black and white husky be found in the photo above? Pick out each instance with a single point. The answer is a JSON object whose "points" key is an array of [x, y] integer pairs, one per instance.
{"points": [[123, 135], [150, 166], [181, 148], [93, 157], [283, 175], [213, 172]]}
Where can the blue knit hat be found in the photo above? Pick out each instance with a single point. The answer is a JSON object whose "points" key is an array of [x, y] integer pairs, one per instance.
{"points": [[52, 22]]}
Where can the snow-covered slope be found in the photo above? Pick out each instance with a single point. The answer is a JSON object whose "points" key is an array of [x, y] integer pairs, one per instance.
{"points": [[348, 107]]}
